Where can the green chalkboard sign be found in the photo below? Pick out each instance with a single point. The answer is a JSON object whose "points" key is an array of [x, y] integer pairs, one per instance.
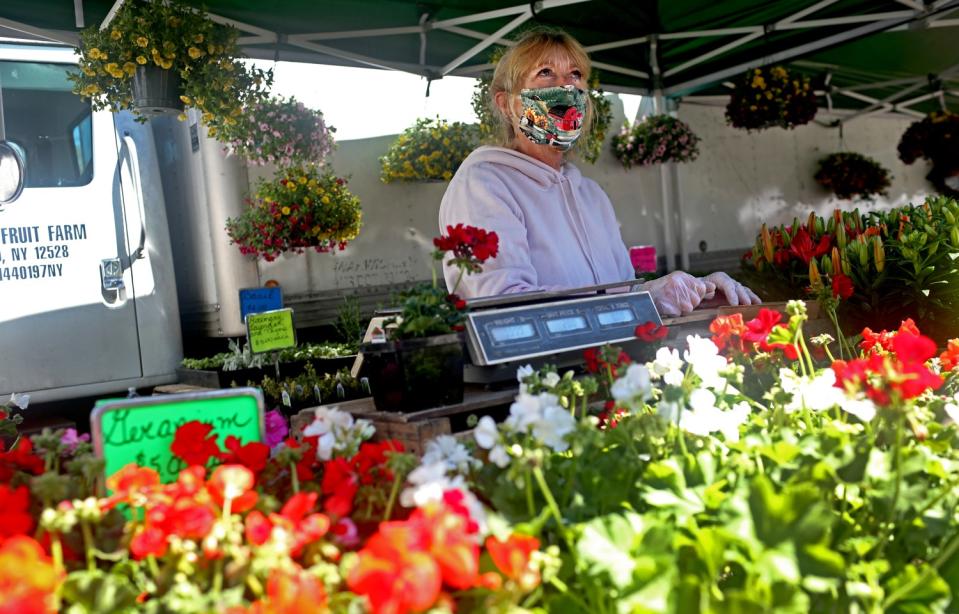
{"points": [[140, 430], [270, 331]]}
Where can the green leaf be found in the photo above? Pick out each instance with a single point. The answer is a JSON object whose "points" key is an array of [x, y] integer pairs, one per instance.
{"points": [[908, 593], [98, 591], [604, 547]]}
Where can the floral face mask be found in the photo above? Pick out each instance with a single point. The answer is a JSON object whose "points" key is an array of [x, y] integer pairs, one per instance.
{"points": [[553, 115]]}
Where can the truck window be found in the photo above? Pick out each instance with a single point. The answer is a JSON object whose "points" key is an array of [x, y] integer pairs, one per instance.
{"points": [[50, 124]]}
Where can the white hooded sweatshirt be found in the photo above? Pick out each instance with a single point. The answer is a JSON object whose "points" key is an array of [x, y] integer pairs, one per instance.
{"points": [[557, 229]]}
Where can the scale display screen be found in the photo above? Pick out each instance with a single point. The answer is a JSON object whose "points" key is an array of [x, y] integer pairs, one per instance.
{"points": [[512, 332], [617, 316], [566, 325]]}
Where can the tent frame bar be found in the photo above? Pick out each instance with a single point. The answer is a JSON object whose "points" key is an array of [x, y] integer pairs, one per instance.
{"points": [[521, 13]]}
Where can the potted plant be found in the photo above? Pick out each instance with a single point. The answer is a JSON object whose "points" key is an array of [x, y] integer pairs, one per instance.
{"points": [[421, 364], [173, 47], [279, 131], [309, 389], [850, 174], [935, 138], [301, 207], [430, 150], [589, 146], [655, 140], [770, 96], [884, 265]]}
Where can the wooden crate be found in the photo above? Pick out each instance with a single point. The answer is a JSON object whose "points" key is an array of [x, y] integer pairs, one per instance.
{"points": [[415, 429]]}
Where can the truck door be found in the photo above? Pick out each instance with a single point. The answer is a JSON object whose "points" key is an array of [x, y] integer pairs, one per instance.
{"points": [[67, 314]]}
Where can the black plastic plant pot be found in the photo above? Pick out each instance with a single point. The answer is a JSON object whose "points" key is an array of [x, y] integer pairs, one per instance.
{"points": [[156, 91], [412, 374]]}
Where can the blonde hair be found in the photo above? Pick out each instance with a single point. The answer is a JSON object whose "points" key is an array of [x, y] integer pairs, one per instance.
{"points": [[511, 70]]}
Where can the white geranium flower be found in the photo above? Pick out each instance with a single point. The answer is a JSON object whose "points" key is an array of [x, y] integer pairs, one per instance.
{"points": [[429, 482], [337, 432], [446, 449], [499, 456], [527, 409], [669, 410], [486, 433], [668, 366], [634, 385], [865, 409], [703, 356], [552, 429], [551, 379], [706, 418], [521, 374], [816, 394]]}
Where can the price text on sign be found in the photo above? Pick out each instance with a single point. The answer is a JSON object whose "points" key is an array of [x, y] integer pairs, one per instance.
{"points": [[270, 331], [141, 430], [258, 300]]}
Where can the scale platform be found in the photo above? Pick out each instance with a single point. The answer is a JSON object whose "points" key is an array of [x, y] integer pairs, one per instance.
{"points": [[506, 332]]}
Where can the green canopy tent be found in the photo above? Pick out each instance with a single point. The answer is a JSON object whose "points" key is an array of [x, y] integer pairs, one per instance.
{"points": [[677, 47]]}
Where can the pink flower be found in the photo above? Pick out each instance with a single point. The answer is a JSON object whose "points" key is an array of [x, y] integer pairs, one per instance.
{"points": [[276, 428], [70, 440]]}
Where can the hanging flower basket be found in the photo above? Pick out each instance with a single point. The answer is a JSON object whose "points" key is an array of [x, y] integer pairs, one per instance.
{"points": [[849, 175], [430, 150], [157, 56], [301, 208], [280, 131], [936, 139], [156, 91], [769, 97], [655, 140]]}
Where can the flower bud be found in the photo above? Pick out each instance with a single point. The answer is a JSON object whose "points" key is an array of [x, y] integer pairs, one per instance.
{"points": [[836, 266], [844, 262], [826, 264], [815, 281], [841, 235], [863, 253], [811, 223], [954, 235], [878, 254], [767, 242], [949, 216]]}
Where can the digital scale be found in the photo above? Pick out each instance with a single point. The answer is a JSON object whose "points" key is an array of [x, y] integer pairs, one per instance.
{"points": [[506, 332]]}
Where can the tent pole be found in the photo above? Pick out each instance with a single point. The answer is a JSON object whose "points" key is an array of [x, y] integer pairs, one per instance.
{"points": [[665, 180]]}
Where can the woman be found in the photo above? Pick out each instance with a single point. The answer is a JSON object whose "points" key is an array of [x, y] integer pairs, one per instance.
{"points": [[557, 229]]}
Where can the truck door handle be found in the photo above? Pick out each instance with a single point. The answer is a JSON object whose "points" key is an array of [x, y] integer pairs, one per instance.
{"points": [[129, 146]]}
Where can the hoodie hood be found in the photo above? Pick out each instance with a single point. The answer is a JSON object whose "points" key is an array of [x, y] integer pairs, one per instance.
{"points": [[543, 174]]}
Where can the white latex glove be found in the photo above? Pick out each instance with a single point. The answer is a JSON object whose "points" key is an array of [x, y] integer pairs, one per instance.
{"points": [[678, 292], [736, 293]]}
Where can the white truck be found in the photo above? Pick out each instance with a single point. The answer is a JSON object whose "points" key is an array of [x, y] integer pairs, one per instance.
{"points": [[88, 285]]}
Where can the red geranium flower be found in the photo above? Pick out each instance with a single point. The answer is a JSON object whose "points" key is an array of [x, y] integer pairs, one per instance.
{"points": [[950, 358], [28, 579], [194, 443], [15, 517], [395, 578], [147, 542], [287, 592], [468, 243], [648, 331], [512, 556], [727, 328], [130, 484], [21, 458], [758, 328], [233, 483], [252, 455]]}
